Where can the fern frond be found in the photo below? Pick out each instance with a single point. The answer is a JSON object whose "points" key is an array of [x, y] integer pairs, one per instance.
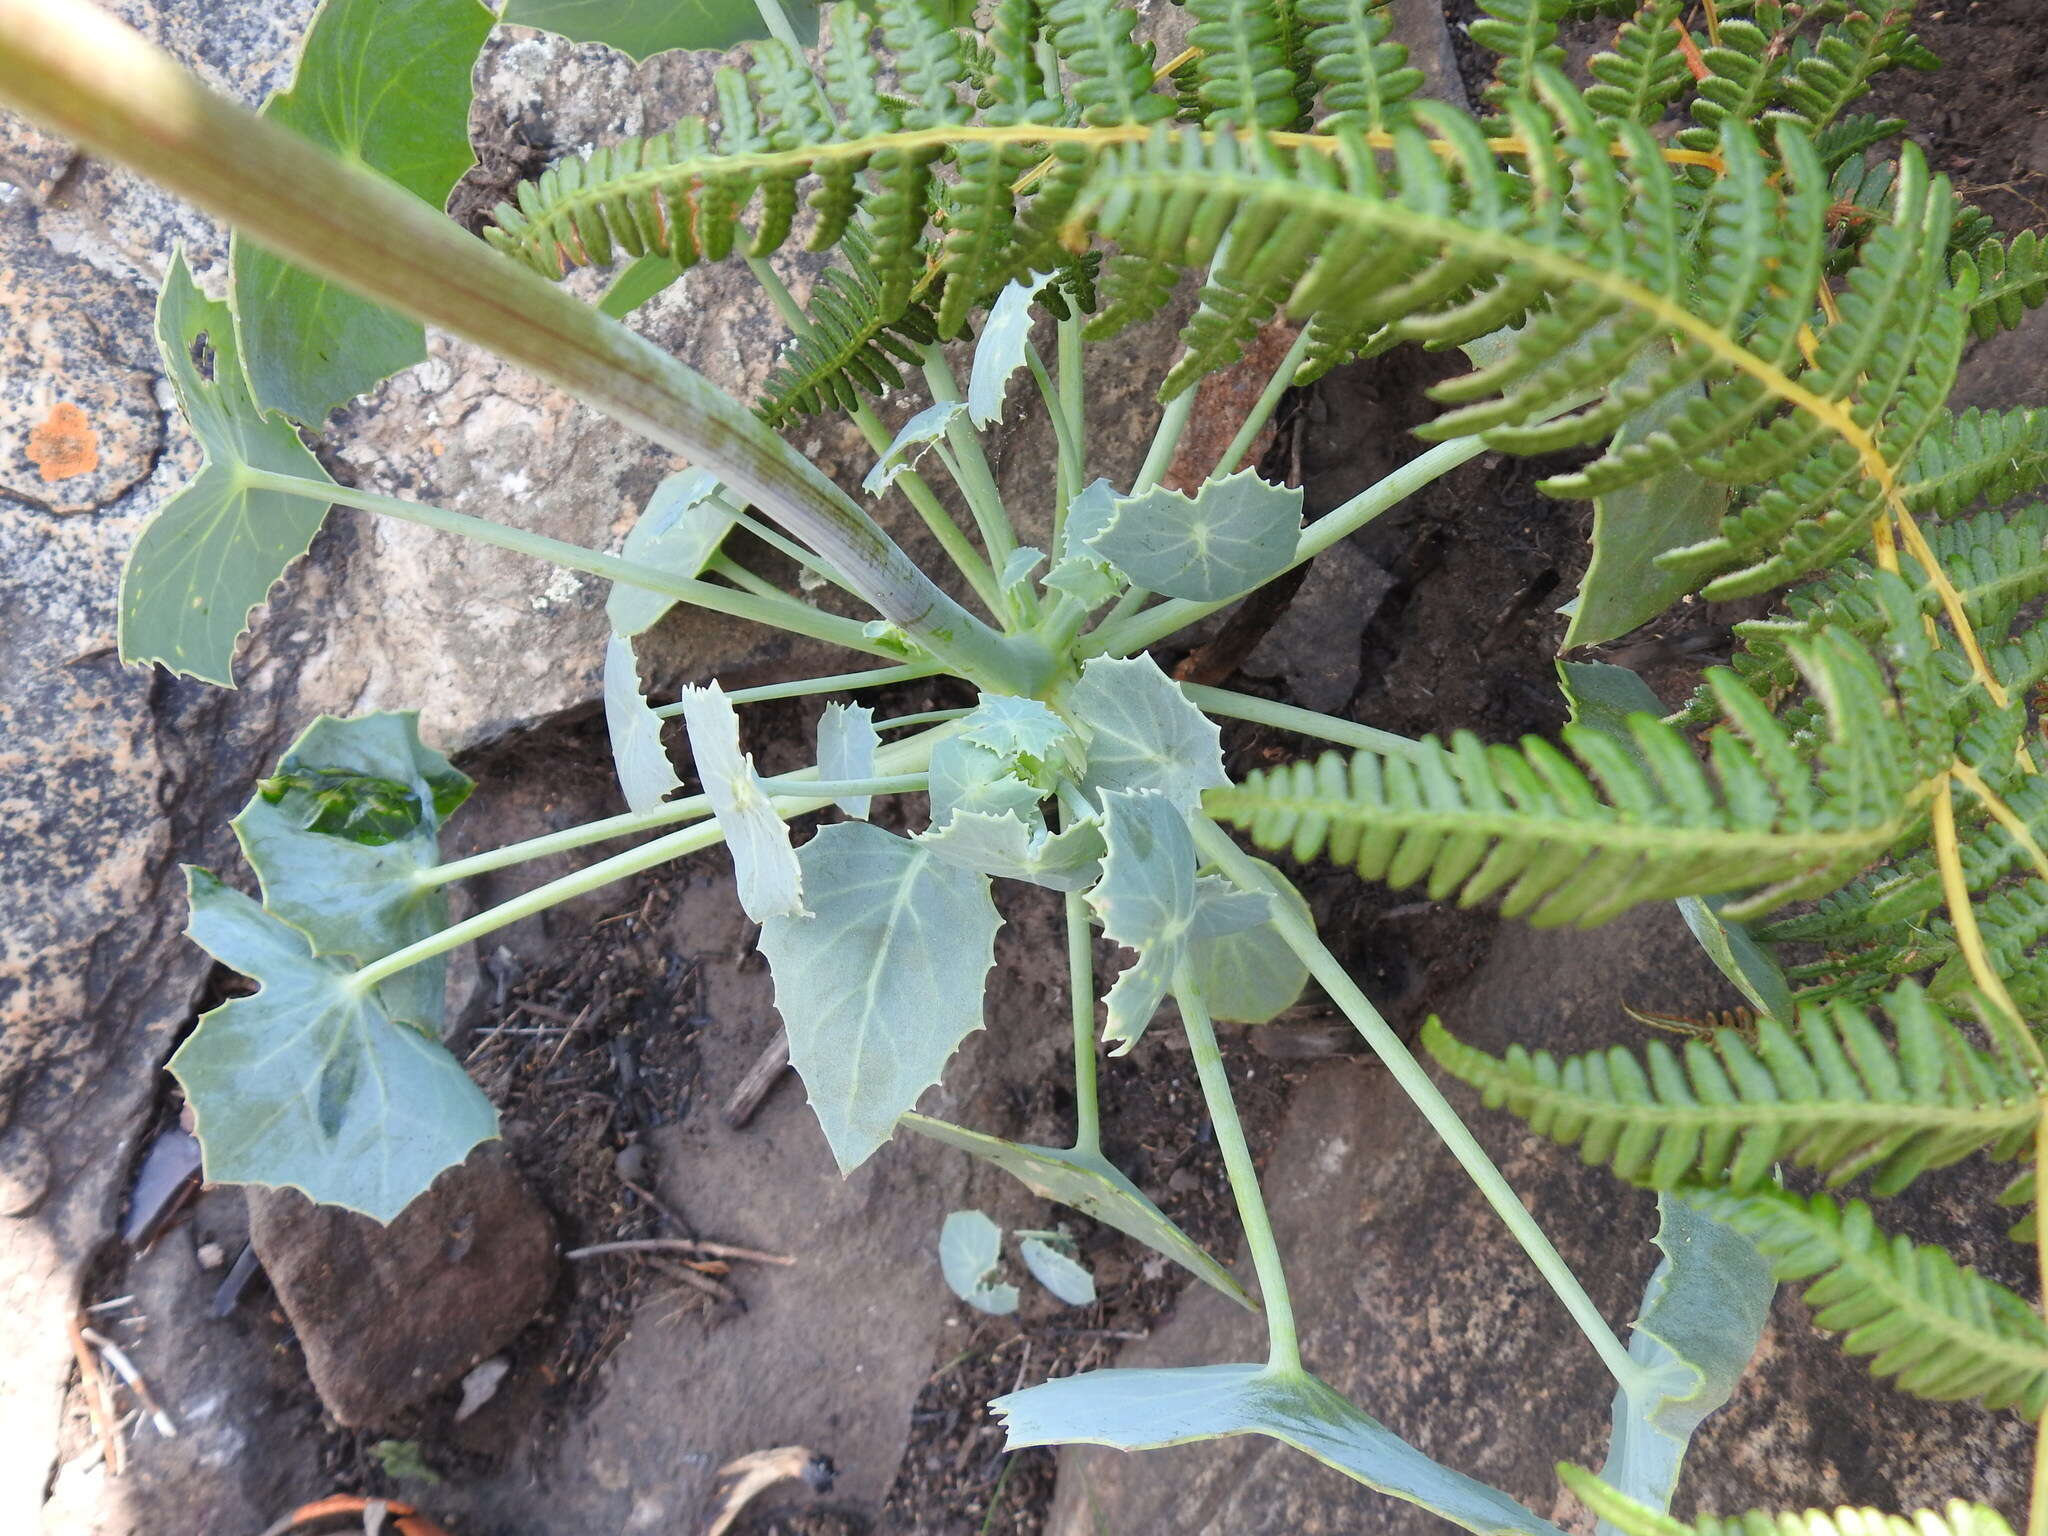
{"points": [[1245, 74], [1828, 1091], [1527, 823], [1524, 34], [1366, 78], [854, 344], [2011, 278], [1959, 1518], [1645, 70], [1937, 1329]]}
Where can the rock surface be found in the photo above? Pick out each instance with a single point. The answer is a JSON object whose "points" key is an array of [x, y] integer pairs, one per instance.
{"points": [[390, 1315]]}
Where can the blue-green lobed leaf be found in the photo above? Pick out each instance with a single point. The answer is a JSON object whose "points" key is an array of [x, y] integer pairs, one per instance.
{"points": [[909, 445], [1089, 1183], [1703, 1315], [1152, 900], [646, 776], [1014, 847], [970, 1257], [1232, 535], [206, 561], [311, 1083], [1000, 351], [678, 531], [384, 84], [1143, 733], [1058, 1271], [1135, 1410], [881, 983], [1252, 975], [769, 874], [338, 836], [847, 743]]}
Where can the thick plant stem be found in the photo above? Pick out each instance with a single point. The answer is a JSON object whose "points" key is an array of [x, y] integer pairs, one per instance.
{"points": [[778, 610], [85, 75], [1302, 938], [1283, 1348], [1262, 410], [923, 500], [1303, 722], [1122, 637]]}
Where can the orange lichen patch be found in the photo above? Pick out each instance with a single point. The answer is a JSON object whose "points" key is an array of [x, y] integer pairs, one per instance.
{"points": [[64, 444]]}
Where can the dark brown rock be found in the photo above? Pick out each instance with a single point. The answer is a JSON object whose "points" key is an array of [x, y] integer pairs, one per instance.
{"points": [[390, 1315]]}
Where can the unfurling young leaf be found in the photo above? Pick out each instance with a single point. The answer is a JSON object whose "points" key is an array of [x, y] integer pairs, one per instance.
{"points": [[1151, 899], [1138, 1410], [385, 83], [970, 1257], [213, 553], [338, 836], [679, 532], [1232, 535], [882, 982], [645, 773], [770, 878], [1000, 351], [1055, 1267], [1014, 847], [1702, 1318], [909, 445], [1077, 571], [1089, 1183], [312, 1083], [847, 743], [643, 28], [1144, 734]]}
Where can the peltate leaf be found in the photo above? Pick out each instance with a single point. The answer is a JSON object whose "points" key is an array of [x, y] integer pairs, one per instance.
{"points": [[847, 743], [1144, 734], [1251, 976], [882, 982], [1000, 351], [678, 531], [642, 28], [337, 835], [1151, 899], [1061, 1273], [1703, 1315], [642, 763], [216, 549], [771, 882], [384, 84], [310, 1083], [910, 443], [970, 1257], [1089, 1183], [1232, 535], [1136, 1410], [1604, 697]]}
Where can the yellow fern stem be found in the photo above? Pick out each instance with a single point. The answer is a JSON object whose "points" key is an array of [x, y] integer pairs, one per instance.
{"points": [[1955, 890]]}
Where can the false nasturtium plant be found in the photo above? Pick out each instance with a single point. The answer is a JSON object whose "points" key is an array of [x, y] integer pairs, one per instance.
{"points": [[1747, 326]]}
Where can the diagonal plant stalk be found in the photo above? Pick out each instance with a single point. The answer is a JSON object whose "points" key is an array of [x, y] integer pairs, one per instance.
{"points": [[776, 609], [1301, 937], [1283, 1347], [899, 769], [98, 82]]}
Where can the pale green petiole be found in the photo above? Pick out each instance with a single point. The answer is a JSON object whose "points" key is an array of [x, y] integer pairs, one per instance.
{"points": [[780, 611], [1283, 1348], [1081, 1000], [1262, 410], [1073, 395], [1303, 722], [746, 580], [1216, 846], [838, 682], [774, 539], [969, 466], [1070, 467], [794, 795]]}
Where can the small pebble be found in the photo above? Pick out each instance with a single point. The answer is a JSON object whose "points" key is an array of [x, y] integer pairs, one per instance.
{"points": [[211, 1255], [632, 1164]]}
